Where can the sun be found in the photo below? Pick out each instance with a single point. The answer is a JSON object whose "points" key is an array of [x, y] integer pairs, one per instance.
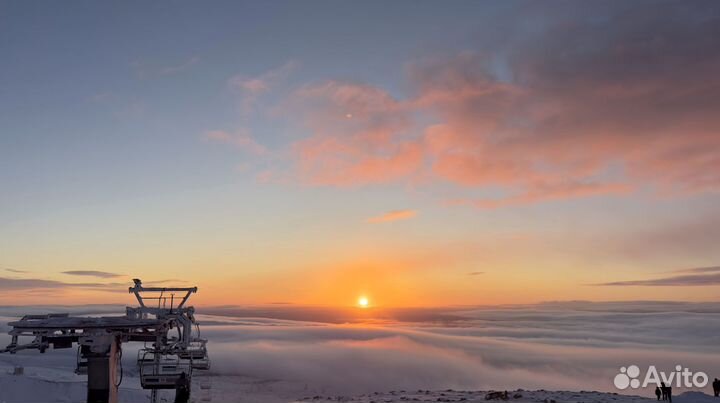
{"points": [[363, 302]]}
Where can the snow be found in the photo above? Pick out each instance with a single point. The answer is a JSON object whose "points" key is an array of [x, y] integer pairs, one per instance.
{"points": [[60, 384], [518, 396], [52, 385], [35, 386]]}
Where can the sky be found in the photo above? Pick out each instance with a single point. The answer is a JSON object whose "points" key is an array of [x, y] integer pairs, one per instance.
{"points": [[414, 153]]}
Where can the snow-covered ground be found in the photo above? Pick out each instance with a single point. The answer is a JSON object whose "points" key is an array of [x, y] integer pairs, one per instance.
{"points": [[36, 387], [40, 385], [50, 377], [518, 396]]}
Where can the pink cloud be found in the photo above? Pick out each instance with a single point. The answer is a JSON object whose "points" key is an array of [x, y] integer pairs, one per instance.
{"points": [[263, 81], [252, 87], [359, 136], [264, 177], [240, 139], [180, 67], [395, 215], [540, 193], [154, 68], [579, 111], [549, 130]]}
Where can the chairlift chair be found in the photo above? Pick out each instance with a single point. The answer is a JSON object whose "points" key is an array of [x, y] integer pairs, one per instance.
{"points": [[81, 366], [161, 371], [196, 353]]}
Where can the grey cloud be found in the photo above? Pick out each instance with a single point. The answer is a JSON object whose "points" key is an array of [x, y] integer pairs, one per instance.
{"points": [[676, 281], [15, 270], [92, 273], [711, 269], [166, 281], [180, 67], [331, 315], [13, 284]]}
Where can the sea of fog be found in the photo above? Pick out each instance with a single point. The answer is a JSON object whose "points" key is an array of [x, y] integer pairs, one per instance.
{"points": [[563, 345]]}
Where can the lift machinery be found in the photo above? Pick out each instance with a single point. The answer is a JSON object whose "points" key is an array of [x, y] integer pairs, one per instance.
{"points": [[162, 321]]}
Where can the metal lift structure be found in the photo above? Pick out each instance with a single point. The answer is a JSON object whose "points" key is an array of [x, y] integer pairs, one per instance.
{"points": [[162, 321]]}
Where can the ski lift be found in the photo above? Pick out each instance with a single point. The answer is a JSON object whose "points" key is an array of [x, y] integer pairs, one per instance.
{"points": [[160, 311], [196, 353], [161, 371]]}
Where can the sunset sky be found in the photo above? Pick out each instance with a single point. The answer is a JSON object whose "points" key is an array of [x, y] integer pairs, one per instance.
{"points": [[414, 153]]}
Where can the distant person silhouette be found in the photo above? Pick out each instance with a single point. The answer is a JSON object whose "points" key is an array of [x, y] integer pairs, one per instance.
{"points": [[716, 387], [666, 392], [182, 389], [658, 392]]}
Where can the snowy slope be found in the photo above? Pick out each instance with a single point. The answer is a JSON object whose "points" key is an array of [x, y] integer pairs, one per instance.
{"points": [[53, 385]]}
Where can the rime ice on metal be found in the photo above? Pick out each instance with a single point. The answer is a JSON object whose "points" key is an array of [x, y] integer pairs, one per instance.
{"points": [[163, 360]]}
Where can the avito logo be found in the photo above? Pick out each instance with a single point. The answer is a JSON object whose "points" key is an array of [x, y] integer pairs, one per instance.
{"points": [[629, 377]]}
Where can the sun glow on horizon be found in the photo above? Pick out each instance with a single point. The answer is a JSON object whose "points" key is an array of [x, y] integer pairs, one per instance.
{"points": [[363, 302]]}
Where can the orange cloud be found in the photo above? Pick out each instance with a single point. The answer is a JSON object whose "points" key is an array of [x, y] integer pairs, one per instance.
{"points": [[394, 215]]}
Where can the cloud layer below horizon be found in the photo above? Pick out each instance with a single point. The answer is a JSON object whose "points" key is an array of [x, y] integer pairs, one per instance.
{"points": [[571, 345], [575, 346]]}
